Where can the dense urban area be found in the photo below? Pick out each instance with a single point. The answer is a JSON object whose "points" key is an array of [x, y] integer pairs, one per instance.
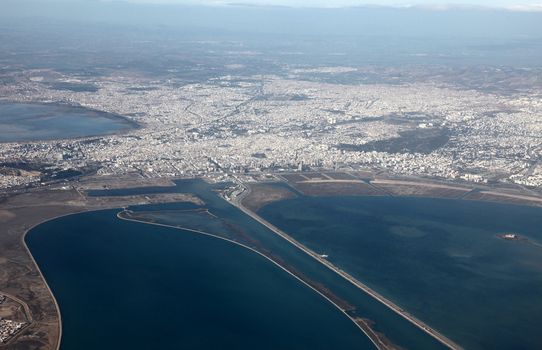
{"points": [[389, 159], [238, 123]]}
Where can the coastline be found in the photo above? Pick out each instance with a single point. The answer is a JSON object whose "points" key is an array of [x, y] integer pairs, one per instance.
{"points": [[418, 323], [52, 295], [373, 337], [68, 208], [22, 212], [57, 320], [285, 216], [130, 124], [320, 183]]}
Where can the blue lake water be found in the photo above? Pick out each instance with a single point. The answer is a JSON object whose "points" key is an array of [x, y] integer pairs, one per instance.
{"points": [[33, 122], [126, 285], [394, 327], [440, 259]]}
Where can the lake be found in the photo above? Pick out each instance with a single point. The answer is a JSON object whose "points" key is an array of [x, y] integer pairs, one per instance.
{"points": [[229, 221], [41, 122], [125, 285], [440, 259]]}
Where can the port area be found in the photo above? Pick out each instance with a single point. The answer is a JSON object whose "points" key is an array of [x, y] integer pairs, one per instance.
{"points": [[14, 317]]}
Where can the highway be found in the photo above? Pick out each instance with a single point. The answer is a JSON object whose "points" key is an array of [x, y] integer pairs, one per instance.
{"points": [[420, 324], [373, 336]]}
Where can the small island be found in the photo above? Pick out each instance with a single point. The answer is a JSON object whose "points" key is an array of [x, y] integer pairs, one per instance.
{"points": [[510, 236]]}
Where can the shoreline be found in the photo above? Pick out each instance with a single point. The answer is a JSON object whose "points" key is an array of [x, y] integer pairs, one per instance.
{"points": [[22, 212], [372, 336], [408, 187], [29, 252], [388, 303], [130, 124], [71, 208], [59, 314]]}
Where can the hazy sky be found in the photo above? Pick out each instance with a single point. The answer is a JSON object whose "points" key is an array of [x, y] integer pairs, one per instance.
{"points": [[522, 4]]}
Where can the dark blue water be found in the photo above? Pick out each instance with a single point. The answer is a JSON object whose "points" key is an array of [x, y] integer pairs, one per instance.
{"points": [[440, 259], [125, 285], [32, 122], [393, 326]]}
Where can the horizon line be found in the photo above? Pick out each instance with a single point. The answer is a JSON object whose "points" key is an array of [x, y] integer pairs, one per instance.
{"points": [[525, 7]]}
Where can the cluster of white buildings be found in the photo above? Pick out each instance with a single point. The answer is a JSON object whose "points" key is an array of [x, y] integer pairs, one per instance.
{"points": [[8, 329], [272, 123]]}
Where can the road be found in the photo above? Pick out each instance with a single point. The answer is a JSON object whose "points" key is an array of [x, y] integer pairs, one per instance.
{"points": [[374, 337], [420, 324]]}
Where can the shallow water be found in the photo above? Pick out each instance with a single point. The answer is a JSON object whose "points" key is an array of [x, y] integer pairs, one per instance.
{"points": [[234, 223], [33, 122], [440, 259], [126, 285]]}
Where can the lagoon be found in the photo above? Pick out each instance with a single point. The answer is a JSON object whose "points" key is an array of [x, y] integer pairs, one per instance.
{"points": [[21, 122], [126, 285], [230, 221], [440, 259]]}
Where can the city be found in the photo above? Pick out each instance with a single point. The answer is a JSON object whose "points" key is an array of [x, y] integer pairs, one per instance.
{"points": [[271, 174], [238, 124]]}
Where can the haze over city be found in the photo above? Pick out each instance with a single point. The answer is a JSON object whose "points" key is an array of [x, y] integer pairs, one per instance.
{"points": [[270, 174]]}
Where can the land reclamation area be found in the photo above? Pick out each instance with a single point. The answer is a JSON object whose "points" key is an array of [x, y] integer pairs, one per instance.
{"points": [[19, 211]]}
